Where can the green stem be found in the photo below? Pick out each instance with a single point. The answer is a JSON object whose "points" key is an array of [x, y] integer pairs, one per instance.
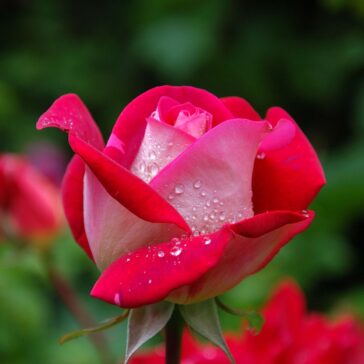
{"points": [[173, 331]]}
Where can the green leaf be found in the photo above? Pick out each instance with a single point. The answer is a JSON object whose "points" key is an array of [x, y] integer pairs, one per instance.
{"points": [[144, 323], [91, 330], [203, 318]]}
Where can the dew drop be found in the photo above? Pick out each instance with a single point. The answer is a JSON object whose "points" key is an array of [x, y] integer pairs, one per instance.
{"points": [[305, 213], [152, 156], [206, 217], [150, 281], [261, 155], [142, 167], [207, 241], [222, 216], [176, 251], [128, 259], [154, 169], [170, 197], [179, 189], [160, 254], [203, 194], [197, 184], [215, 200], [212, 216], [117, 299]]}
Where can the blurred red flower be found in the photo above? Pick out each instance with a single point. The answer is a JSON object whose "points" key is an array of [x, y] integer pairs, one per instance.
{"points": [[290, 335], [30, 206]]}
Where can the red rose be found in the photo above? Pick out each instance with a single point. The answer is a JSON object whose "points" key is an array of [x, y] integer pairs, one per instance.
{"points": [[30, 204], [190, 194]]}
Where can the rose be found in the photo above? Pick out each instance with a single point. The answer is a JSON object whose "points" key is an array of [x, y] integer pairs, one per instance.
{"points": [[30, 204], [290, 335], [190, 194]]}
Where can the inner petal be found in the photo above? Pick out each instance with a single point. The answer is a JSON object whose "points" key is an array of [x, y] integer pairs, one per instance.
{"points": [[210, 184], [162, 143]]}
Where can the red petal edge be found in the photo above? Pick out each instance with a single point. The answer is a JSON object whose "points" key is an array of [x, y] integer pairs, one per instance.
{"points": [[132, 192], [72, 196], [150, 273]]}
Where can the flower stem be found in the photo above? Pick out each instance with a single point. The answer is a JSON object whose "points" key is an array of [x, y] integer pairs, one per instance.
{"points": [[173, 337]]}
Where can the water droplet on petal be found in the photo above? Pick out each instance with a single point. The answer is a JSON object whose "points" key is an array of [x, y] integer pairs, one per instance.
{"points": [[261, 155], [179, 189], [160, 254], [203, 194], [154, 169], [215, 200], [207, 241], [170, 197], [117, 299], [305, 213], [197, 184], [222, 216], [206, 217], [176, 251], [142, 167], [150, 281], [152, 156]]}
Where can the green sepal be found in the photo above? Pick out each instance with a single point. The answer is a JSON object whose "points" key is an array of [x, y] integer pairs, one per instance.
{"points": [[144, 323], [203, 319]]}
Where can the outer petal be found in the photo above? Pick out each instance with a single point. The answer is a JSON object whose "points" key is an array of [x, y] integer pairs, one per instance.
{"points": [[287, 178], [69, 113], [113, 230], [240, 108], [254, 244], [129, 190], [210, 183], [129, 129], [72, 196], [150, 273]]}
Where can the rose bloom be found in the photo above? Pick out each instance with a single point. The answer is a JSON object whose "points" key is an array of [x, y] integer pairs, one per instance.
{"points": [[190, 194], [30, 204], [290, 335]]}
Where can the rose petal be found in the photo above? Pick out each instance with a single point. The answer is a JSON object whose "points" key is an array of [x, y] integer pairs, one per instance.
{"points": [[210, 183], [112, 229], [257, 240], [162, 143], [287, 178], [69, 113], [150, 273], [130, 126], [134, 194], [240, 108], [72, 196]]}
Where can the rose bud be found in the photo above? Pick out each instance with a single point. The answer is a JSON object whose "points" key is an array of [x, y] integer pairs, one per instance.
{"points": [[190, 194]]}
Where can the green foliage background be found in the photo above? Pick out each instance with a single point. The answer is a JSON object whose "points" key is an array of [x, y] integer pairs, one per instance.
{"points": [[306, 56]]}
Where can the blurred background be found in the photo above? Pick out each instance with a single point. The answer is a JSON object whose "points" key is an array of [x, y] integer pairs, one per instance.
{"points": [[306, 56]]}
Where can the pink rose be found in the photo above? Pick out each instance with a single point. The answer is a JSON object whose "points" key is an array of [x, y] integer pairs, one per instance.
{"points": [[30, 205], [191, 193]]}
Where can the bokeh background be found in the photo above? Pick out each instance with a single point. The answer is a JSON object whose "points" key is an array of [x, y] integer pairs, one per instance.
{"points": [[306, 56]]}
